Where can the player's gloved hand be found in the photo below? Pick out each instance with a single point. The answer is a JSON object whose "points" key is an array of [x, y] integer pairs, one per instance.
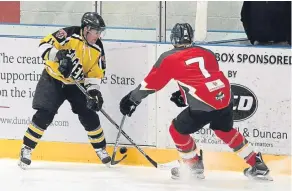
{"points": [[65, 62], [96, 101], [177, 98], [65, 67], [128, 106], [62, 54]]}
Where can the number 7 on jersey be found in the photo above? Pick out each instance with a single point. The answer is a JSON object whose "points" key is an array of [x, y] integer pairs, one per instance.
{"points": [[201, 62]]}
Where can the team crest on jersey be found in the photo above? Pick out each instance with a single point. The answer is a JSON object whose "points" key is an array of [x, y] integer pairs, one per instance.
{"points": [[220, 96], [61, 34]]}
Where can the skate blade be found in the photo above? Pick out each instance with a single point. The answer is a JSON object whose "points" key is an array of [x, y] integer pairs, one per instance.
{"points": [[261, 178], [199, 176], [175, 177], [108, 164], [22, 165], [264, 178], [196, 176]]}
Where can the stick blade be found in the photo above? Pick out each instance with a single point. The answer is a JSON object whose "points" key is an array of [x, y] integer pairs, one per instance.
{"points": [[114, 162], [169, 165]]}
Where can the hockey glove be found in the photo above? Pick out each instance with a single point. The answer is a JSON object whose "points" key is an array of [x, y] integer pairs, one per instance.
{"points": [[95, 103], [65, 63], [128, 106], [178, 99], [62, 54], [65, 67]]}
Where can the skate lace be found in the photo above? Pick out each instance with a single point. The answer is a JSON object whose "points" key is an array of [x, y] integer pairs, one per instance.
{"points": [[102, 153], [26, 153]]}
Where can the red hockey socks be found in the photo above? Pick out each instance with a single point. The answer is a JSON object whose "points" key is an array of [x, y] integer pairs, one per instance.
{"points": [[239, 144], [185, 145]]}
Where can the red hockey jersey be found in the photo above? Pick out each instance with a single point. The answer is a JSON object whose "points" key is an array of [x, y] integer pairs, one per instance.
{"points": [[196, 70]]}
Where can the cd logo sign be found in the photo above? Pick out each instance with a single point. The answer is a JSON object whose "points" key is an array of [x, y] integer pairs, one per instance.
{"points": [[245, 102]]}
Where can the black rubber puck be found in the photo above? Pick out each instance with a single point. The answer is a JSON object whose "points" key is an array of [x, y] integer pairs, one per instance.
{"points": [[123, 150]]}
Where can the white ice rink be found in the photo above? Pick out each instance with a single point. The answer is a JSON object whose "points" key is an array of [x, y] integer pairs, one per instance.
{"points": [[49, 176]]}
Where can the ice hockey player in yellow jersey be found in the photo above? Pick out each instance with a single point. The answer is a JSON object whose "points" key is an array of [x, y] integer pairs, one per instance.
{"points": [[73, 52], [83, 51]]}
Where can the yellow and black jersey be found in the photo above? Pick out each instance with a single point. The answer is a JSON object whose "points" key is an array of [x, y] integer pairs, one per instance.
{"points": [[86, 58]]}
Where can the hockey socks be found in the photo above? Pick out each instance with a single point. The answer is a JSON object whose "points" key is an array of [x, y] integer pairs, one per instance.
{"points": [[185, 144], [239, 144], [96, 138], [32, 135]]}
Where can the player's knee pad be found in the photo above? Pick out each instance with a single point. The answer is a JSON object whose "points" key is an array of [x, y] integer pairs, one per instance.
{"points": [[43, 118], [89, 120], [185, 128], [223, 122], [80, 108]]}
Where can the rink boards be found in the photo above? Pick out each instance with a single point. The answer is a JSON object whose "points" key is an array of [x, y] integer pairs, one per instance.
{"points": [[261, 82]]}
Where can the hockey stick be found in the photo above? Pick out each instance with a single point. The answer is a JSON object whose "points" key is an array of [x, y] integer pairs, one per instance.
{"points": [[114, 162], [117, 126]]}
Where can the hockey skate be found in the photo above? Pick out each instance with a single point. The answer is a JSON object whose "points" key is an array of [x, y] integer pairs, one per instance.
{"points": [[25, 157], [103, 156], [196, 168], [259, 171]]}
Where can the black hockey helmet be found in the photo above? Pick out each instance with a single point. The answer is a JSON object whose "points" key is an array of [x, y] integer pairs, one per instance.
{"points": [[93, 20], [182, 33]]}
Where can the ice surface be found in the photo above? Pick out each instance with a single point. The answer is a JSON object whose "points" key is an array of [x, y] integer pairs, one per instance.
{"points": [[53, 176]]}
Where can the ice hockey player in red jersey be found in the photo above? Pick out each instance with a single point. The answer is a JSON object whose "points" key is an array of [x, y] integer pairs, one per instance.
{"points": [[207, 96]]}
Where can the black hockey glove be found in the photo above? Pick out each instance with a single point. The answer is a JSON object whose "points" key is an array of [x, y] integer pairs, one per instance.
{"points": [[178, 99], [65, 63], [128, 106], [62, 54], [65, 67], [95, 103]]}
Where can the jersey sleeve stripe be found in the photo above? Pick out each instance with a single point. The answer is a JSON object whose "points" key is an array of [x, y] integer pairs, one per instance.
{"points": [[75, 36], [44, 48], [100, 63], [65, 41], [96, 47], [45, 54]]}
